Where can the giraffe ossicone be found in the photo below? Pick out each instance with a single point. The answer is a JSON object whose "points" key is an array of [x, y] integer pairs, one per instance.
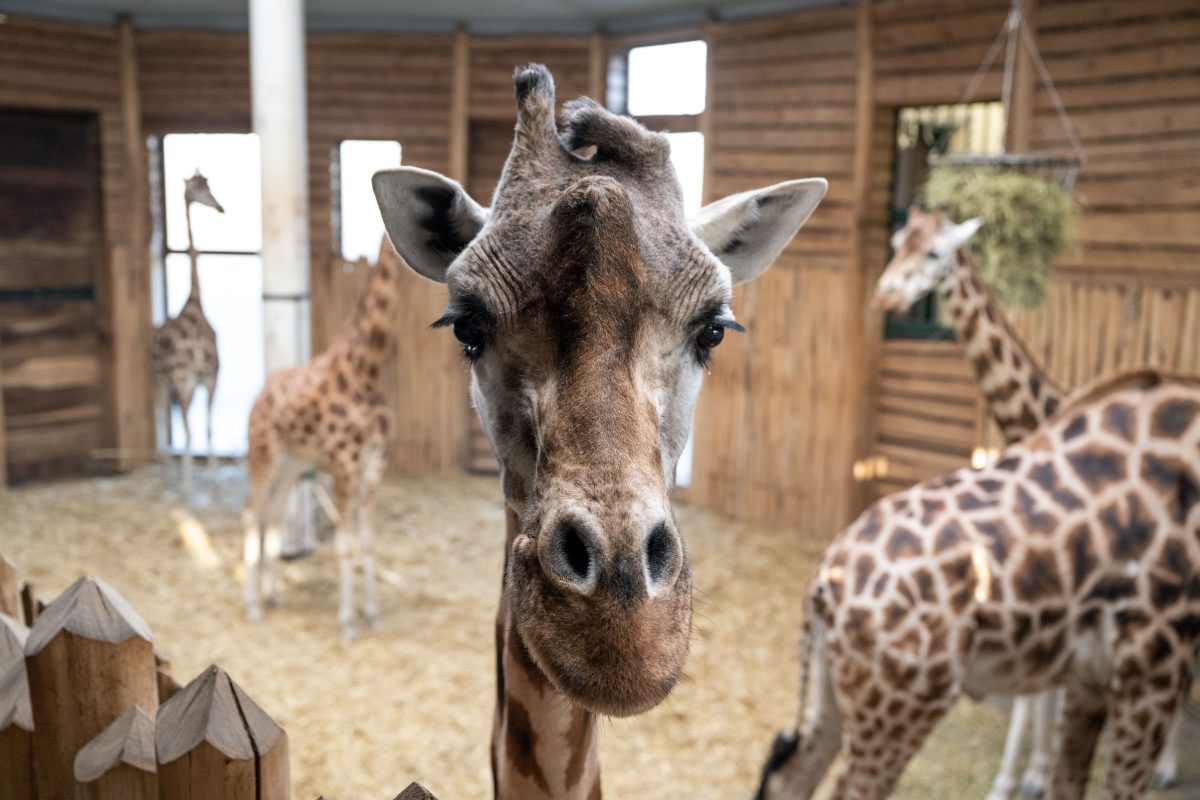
{"points": [[588, 306]]}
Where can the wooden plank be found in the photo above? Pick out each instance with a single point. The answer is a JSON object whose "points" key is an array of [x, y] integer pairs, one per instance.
{"points": [[459, 97]]}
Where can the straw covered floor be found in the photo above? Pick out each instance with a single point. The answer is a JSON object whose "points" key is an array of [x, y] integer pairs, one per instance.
{"points": [[413, 701]]}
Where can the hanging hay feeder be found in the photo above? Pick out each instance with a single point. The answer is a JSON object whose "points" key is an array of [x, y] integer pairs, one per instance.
{"points": [[1026, 222], [1024, 199]]}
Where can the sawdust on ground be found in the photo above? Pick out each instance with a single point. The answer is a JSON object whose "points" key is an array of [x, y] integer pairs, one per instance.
{"points": [[413, 701]]}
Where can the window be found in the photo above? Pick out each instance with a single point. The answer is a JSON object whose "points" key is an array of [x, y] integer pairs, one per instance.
{"points": [[666, 88], [975, 129], [229, 264], [361, 227]]}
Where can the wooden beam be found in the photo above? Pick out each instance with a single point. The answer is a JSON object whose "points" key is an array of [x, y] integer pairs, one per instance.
{"points": [[459, 100], [864, 338], [673, 123], [598, 68], [1020, 116], [711, 31], [129, 280]]}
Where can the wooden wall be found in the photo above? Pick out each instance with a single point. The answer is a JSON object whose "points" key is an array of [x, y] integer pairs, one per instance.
{"points": [[776, 412], [67, 67]]}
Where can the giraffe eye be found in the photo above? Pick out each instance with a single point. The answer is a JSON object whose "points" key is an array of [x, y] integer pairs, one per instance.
{"points": [[472, 335], [710, 336], [934, 255]]}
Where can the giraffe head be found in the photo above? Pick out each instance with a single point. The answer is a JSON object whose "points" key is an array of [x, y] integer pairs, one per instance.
{"points": [[925, 254], [588, 307], [196, 191]]}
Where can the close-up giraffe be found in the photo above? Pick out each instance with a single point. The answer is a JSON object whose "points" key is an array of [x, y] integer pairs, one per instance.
{"points": [[587, 306], [1072, 561], [184, 348], [929, 255]]}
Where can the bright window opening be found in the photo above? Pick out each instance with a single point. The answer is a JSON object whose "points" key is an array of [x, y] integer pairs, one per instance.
{"points": [[230, 268], [687, 154], [667, 79], [361, 225]]}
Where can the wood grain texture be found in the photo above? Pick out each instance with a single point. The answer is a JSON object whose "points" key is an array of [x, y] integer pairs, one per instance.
{"points": [[213, 741], [119, 764], [89, 658]]}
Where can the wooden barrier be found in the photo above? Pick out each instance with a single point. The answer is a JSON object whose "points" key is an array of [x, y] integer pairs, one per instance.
{"points": [[119, 764], [213, 741], [10, 589], [89, 658], [16, 719]]}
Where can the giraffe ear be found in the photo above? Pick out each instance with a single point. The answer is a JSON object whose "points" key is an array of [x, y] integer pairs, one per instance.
{"points": [[748, 230], [960, 234], [429, 218]]}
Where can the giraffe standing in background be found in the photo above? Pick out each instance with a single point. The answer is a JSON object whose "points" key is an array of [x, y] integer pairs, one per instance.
{"points": [[332, 414], [184, 348], [1072, 561], [929, 256], [587, 305]]}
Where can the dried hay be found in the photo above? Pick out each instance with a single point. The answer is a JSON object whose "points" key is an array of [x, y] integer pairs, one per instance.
{"points": [[1027, 221], [414, 701]]}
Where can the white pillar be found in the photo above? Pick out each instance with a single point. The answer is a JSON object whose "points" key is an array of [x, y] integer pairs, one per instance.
{"points": [[278, 85], [277, 90]]}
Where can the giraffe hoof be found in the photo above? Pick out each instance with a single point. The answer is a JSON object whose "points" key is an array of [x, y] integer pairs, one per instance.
{"points": [[1033, 791], [1164, 780]]}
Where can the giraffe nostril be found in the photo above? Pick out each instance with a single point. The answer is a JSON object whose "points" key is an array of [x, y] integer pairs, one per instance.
{"points": [[661, 549], [572, 554]]}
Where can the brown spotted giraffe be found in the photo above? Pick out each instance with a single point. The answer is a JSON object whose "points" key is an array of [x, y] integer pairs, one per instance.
{"points": [[184, 348], [588, 307], [332, 414], [1073, 561], [929, 256]]}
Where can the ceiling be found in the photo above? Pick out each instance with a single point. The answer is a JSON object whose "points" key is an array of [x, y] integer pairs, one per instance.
{"points": [[480, 16]]}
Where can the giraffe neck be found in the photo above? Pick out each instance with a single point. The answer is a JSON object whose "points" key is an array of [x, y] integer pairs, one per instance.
{"points": [[1020, 395], [194, 294], [372, 327], [542, 745]]}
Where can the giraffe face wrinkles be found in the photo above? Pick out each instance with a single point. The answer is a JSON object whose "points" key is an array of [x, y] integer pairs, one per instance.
{"points": [[925, 253], [588, 307]]}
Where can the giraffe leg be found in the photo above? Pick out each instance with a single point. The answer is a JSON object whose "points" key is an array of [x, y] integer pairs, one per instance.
{"points": [[1005, 782], [263, 464], [211, 387], [272, 540], [1166, 772], [1041, 757], [185, 406], [1082, 720], [879, 745], [1141, 717], [372, 474], [345, 498]]}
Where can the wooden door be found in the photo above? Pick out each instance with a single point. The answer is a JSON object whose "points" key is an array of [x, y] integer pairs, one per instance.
{"points": [[51, 254]]}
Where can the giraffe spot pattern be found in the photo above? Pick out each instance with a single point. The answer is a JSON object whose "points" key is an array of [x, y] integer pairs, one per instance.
{"points": [[1097, 466], [1037, 577], [1173, 417], [521, 740], [1129, 527], [1172, 478]]}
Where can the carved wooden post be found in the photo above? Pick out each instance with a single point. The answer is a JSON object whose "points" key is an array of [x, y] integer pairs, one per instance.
{"points": [[215, 742], [415, 791], [119, 763], [10, 589], [16, 720], [89, 658]]}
